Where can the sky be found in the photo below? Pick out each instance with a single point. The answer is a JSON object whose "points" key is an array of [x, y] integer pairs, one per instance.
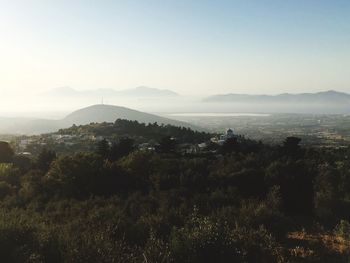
{"points": [[193, 47]]}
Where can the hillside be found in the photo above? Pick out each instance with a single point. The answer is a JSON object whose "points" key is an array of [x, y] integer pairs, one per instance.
{"points": [[109, 113], [95, 113]]}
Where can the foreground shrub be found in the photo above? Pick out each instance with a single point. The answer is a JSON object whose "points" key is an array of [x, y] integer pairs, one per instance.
{"points": [[206, 240], [22, 241]]}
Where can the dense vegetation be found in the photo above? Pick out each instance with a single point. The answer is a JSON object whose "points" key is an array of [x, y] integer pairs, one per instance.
{"points": [[240, 203], [140, 132]]}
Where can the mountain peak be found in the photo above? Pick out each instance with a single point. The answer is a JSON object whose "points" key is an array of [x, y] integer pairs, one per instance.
{"points": [[141, 91], [333, 92], [144, 91]]}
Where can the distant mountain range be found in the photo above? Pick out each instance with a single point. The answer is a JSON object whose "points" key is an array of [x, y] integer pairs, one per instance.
{"points": [[95, 113], [327, 102], [137, 92], [330, 96]]}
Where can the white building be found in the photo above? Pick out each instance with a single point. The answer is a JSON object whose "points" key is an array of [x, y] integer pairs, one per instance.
{"points": [[228, 135]]}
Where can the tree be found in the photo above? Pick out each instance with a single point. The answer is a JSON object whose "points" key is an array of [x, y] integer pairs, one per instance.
{"points": [[75, 176], [122, 148], [296, 181], [24, 163], [45, 158], [230, 145], [6, 153], [328, 194], [103, 148], [9, 174], [291, 146], [167, 145]]}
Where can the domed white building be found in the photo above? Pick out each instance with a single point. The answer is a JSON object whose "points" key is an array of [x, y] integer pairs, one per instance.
{"points": [[229, 134]]}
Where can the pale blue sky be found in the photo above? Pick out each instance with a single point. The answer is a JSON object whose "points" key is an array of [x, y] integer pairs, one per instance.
{"points": [[192, 47]]}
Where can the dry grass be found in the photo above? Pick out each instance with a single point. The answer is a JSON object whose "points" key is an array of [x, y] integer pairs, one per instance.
{"points": [[310, 242]]}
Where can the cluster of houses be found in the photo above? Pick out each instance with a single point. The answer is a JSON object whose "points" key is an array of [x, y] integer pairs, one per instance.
{"points": [[23, 144]]}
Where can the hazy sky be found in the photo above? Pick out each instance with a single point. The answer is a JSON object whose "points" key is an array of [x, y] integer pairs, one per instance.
{"points": [[192, 47]]}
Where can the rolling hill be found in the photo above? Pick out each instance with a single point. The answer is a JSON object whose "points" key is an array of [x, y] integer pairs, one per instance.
{"points": [[95, 113], [109, 113]]}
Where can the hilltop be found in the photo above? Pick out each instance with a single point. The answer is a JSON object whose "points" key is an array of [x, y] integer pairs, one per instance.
{"points": [[92, 114], [109, 113]]}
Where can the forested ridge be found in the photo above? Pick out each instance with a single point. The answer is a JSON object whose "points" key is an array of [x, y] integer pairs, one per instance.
{"points": [[242, 201], [140, 132]]}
